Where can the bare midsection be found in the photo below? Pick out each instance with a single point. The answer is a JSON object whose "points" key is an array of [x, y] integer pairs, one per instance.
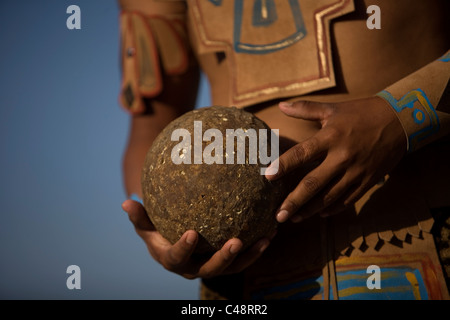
{"points": [[413, 33]]}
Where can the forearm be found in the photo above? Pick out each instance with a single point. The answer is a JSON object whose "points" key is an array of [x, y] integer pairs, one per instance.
{"points": [[143, 131], [159, 76], [177, 96], [421, 103]]}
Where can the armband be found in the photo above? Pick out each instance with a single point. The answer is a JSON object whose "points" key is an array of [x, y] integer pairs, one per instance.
{"points": [[416, 100], [416, 114]]}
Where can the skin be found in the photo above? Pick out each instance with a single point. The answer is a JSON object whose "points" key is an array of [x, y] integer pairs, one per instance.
{"points": [[352, 147], [177, 257], [354, 137], [351, 165]]}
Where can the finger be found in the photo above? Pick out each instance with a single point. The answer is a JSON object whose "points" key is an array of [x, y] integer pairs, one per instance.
{"points": [[340, 204], [334, 209], [354, 196], [156, 244], [308, 187], [249, 257], [181, 251], [137, 215], [221, 259], [325, 198], [297, 156], [307, 110]]}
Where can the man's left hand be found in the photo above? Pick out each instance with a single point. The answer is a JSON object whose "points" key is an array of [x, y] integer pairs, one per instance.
{"points": [[359, 142]]}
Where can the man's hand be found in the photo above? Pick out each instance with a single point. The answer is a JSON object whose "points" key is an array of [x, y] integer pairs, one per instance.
{"points": [[178, 257], [358, 144]]}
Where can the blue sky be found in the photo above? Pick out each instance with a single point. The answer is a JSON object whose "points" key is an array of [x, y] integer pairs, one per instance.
{"points": [[62, 135]]}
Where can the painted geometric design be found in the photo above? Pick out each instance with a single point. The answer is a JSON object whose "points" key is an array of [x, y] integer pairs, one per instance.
{"points": [[445, 57], [400, 283], [216, 2], [128, 94], [397, 283], [420, 112], [265, 14], [265, 29]]}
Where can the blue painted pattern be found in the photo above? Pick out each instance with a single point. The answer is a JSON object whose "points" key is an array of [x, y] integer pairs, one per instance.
{"points": [[419, 116], [397, 283]]}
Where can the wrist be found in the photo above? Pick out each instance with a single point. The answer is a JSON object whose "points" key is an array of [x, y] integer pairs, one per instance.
{"points": [[416, 115], [135, 197]]}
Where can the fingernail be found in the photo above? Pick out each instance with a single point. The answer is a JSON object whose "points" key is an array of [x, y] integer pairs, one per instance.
{"points": [[190, 239], [263, 246], [271, 171], [282, 216], [285, 104], [234, 248]]}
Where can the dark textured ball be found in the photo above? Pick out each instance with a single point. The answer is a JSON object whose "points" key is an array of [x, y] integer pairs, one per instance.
{"points": [[219, 201]]}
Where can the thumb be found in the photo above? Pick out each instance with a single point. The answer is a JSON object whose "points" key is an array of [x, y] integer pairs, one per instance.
{"points": [[306, 110]]}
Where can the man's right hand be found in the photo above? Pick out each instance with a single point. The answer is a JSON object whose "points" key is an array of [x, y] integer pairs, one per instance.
{"points": [[178, 257]]}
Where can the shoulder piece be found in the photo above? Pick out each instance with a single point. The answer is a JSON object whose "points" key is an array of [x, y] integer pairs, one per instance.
{"points": [[273, 48], [152, 45]]}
